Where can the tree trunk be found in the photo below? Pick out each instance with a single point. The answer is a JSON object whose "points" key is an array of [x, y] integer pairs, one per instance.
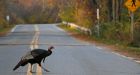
{"points": [[110, 10], [117, 10], [113, 9]]}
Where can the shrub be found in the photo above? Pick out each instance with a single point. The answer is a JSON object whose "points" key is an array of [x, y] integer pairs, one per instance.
{"points": [[115, 31], [136, 41]]}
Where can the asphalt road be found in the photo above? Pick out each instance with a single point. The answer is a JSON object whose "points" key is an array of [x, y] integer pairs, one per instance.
{"points": [[70, 56]]}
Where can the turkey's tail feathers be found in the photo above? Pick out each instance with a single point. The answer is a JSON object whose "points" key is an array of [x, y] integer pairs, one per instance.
{"points": [[21, 63], [17, 66]]}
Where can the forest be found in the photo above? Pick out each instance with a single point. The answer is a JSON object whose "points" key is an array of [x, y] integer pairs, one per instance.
{"points": [[114, 17]]}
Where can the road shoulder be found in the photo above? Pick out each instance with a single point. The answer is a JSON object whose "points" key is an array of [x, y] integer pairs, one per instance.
{"points": [[115, 49]]}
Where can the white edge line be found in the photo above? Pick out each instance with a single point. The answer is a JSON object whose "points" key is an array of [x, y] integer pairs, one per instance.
{"points": [[131, 58], [14, 29]]}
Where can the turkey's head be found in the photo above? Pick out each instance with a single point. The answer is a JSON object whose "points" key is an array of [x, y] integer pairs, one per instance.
{"points": [[50, 48]]}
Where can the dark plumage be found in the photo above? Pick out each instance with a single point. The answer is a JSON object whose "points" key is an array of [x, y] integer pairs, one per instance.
{"points": [[34, 56]]}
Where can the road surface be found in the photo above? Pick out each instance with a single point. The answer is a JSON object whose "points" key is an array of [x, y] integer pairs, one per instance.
{"points": [[70, 56]]}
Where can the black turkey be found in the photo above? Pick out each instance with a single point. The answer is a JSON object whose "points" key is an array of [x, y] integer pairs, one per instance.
{"points": [[35, 56]]}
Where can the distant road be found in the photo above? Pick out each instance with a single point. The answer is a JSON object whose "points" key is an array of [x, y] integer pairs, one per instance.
{"points": [[70, 56]]}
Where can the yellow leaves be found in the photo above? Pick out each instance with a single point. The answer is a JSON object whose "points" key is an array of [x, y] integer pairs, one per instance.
{"points": [[84, 17], [50, 3]]}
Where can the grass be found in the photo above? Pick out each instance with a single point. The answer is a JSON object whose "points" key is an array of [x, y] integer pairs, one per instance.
{"points": [[117, 46], [4, 31]]}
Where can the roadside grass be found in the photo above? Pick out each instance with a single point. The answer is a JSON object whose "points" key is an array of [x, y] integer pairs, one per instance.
{"points": [[4, 31], [113, 45]]}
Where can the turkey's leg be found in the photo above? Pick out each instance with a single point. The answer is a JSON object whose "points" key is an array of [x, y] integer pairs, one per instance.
{"points": [[43, 68], [31, 68]]}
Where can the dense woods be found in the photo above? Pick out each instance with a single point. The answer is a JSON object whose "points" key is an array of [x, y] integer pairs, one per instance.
{"points": [[114, 17]]}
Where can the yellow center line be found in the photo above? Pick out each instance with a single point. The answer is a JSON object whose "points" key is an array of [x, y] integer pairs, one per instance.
{"points": [[28, 71], [39, 70], [34, 44]]}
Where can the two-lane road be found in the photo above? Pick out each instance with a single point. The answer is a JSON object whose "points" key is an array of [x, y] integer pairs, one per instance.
{"points": [[70, 56]]}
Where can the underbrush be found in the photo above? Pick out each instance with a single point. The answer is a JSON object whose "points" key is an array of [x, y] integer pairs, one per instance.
{"points": [[5, 30]]}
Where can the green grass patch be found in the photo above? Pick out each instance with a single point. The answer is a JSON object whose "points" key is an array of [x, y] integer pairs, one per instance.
{"points": [[5, 30]]}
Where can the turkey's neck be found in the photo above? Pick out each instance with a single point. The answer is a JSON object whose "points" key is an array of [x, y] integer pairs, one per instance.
{"points": [[49, 50]]}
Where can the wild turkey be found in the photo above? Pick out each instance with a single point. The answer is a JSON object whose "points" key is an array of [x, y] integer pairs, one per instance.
{"points": [[35, 56]]}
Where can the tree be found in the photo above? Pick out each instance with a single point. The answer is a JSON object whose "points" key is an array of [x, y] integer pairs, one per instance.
{"points": [[3, 13]]}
